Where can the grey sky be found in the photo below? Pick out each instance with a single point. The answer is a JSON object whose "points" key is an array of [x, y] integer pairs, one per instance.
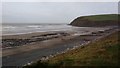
{"points": [[53, 12], [60, 0]]}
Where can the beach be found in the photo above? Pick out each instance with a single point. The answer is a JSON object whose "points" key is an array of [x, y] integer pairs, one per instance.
{"points": [[13, 35], [33, 46], [32, 32]]}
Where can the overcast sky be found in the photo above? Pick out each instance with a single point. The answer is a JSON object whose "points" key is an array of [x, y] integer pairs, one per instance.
{"points": [[53, 12], [60, 0]]}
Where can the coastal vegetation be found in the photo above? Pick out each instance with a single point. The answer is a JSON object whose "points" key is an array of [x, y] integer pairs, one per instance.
{"points": [[103, 52], [96, 20]]}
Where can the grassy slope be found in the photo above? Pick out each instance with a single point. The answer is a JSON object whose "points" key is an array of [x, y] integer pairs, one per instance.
{"points": [[102, 17], [96, 20], [100, 53]]}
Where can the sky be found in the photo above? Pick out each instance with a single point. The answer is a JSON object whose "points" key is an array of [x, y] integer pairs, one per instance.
{"points": [[59, 0], [53, 12]]}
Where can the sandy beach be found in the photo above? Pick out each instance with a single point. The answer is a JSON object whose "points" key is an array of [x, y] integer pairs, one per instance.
{"points": [[33, 46], [33, 41]]}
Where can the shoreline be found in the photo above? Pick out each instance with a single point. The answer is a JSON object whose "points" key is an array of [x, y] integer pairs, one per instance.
{"points": [[47, 47], [35, 41], [48, 58], [95, 50], [32, 37]]}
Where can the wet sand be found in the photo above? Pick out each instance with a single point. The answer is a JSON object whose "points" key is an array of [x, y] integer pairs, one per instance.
{"points": [[19, 40], [18, 43]]}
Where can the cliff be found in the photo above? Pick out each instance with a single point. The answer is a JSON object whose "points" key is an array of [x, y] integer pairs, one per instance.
{"points": [[96, 20]]}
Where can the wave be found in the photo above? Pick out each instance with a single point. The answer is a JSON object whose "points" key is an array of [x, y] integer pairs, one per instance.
{"points": [[33, 26], [20, 29], [8, 27]]}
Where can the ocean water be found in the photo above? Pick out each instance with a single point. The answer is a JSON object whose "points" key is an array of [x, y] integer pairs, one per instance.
{"points": [[12, 29]]}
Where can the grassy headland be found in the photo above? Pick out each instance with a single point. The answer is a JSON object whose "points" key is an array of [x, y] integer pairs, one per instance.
{"points": [[103, 52], [96, 20]]}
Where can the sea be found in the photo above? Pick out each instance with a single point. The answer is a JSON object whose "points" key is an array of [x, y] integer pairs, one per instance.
{"points": [[13, 29]]}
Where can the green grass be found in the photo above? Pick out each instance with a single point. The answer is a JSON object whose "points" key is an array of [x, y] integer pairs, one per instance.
{"points": [[103, 52], [102, 17]]}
